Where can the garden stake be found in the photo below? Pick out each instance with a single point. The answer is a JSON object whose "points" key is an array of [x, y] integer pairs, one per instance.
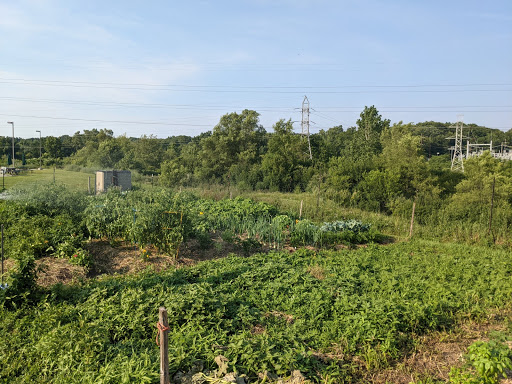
{"points": [[163, 330]]}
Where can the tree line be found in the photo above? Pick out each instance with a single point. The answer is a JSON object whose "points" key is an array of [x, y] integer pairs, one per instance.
{"points": [[375, 165]]}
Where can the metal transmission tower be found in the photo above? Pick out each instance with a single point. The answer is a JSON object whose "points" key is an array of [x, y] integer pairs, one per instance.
{"points": [[305, 123], [457, 163]]}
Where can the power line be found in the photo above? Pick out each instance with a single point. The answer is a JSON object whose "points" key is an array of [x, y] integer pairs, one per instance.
{"points": [[261, 87], [260, 91], [108, 121], [255, 89], [264, 108]]}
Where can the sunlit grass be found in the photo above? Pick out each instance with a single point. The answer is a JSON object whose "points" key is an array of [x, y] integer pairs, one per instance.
{"points": [[74, 180]]}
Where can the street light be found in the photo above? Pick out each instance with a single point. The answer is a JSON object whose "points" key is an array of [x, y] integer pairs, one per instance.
{"points": [[40, 159], [12, 123]]}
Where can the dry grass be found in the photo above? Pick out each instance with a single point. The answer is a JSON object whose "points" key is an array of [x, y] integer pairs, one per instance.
{"points": [[436, 353], [317, 272], [289, 318], [51, 270], [124, 259]]}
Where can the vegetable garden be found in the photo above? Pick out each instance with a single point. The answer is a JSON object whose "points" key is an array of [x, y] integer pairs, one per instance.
{"points": [[331, 314], [52, 220]]}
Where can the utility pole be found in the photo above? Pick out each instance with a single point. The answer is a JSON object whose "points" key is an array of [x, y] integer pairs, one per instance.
{"points": [[12, 123], [40, 152], [457, 162], [305, 123]]}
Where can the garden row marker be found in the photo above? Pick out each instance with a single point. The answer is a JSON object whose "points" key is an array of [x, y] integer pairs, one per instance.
{"points": [[163, 330]]}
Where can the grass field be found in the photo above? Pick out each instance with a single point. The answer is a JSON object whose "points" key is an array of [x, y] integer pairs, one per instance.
{"points": [[74, 180]]}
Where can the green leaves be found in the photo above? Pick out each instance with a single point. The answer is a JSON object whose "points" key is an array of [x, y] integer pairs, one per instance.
{"points": [[487, 362], [267, 312], [159, 218]]}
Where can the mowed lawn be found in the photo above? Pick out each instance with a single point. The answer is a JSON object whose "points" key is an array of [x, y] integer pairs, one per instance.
{"points": [[74, 180]]}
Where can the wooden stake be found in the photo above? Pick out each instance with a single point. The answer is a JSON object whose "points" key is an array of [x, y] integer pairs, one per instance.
{"points": [[300, 210], [164, 346], [412, 218]]}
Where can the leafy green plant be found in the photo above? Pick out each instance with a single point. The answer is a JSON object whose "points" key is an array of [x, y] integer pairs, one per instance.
{"points": [[204, 239], [490, 359], [21, 283], [486, 362], [248, 245], [228, 236], [264, 313], [145, 253], [81, 257], [303, 233]]}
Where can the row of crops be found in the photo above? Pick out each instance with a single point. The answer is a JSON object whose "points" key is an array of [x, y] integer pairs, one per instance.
{"points": [[333, 315], [54, 221], [166, 219]]}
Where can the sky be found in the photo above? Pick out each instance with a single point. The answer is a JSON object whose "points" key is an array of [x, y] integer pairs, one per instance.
{"points": [[167, 68]]}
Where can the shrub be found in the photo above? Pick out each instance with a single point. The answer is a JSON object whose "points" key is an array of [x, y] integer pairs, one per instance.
{"points": [[21, 283]]}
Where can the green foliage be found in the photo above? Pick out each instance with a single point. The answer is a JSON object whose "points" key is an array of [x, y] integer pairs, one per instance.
{"points": [[366, 141], [266, 312], [156, 217], [21, 283], [373, 166], [233, 147], [81, 257], [43, 221], [490, 359], [204, 239], [52, 146], [487, 361], [304, 233], [50, 200], [284, 165]]}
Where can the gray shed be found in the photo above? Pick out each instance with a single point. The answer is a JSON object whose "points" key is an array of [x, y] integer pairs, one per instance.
{"points": [[108, 179]]}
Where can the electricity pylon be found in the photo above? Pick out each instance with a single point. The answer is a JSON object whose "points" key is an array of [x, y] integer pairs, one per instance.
{"points": [[305, 123], [457, 159]]}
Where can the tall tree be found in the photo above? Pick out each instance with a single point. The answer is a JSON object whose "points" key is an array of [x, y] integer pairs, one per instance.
{"points": [[236, 140], [366, 143], [149, 154], [285, 162], [53, 147]]}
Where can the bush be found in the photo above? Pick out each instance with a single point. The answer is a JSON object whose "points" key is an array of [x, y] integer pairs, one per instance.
{"points": [[21, 283], [303, 233], [486, 363]]}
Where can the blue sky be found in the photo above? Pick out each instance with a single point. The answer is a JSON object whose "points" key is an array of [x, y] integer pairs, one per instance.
{"points": [[166, 68]]}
